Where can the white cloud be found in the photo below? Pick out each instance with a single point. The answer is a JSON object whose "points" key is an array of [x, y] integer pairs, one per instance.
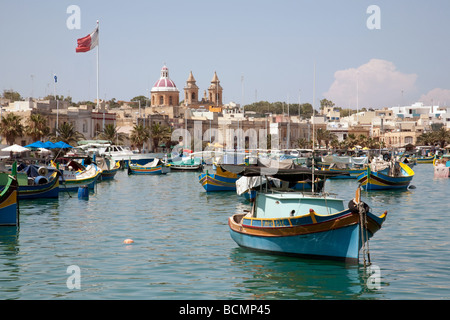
{"points": [[436, 96], [379, 84]]}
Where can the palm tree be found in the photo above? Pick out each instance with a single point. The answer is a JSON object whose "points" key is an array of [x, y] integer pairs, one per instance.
{"points": [[110, 133], [37, 127], [67, 133], [302, 143], [11, 127], [442, 136], [139, 135], [160, 133]]}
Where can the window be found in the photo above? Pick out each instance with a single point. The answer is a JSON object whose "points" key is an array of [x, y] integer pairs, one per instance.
{"points": [[193, 96], [161, 100], [170, 101]]}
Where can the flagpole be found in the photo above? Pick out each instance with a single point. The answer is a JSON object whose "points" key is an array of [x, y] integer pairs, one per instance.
{"points": [[97, 61]]}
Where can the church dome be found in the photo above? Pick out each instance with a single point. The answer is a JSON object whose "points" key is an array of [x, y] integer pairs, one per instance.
{"points": [[164, 83]]}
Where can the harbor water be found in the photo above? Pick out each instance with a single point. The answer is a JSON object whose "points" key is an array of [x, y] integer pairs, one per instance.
{"points": [[182, 248]]}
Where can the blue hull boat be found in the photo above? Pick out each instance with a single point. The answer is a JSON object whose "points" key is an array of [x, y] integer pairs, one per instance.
{"points": [[9, 208]]}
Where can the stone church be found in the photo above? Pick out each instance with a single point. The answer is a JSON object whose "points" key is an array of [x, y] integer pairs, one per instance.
{"points": [[164, 93]]}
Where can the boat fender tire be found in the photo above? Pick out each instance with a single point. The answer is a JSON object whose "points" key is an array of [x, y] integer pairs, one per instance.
{"points": [[40, 180], [42, 171], [354, 207]]}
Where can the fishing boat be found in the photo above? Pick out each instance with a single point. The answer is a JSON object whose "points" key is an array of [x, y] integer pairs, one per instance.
{"points": [[75, 175], [426, 159], [186, 164], [442, 167], [9, 207], [36, 182], [386, 175], [117, 153], [313, 225], [221, 180], [108, 166], [155, 167], [354, 166]]}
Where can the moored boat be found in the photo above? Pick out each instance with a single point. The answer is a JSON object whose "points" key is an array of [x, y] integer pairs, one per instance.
{"points": [[354, 166], [388, 175], [156, 167], [75, 175], [186, 164], [108, 166], [35, 182], [313, 225], [441, 167], [9, 207], [221, 180], [425, 159]]}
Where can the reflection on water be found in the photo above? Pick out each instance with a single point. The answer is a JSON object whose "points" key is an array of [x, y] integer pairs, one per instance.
{"points": [[266, 276], [183, 249]]}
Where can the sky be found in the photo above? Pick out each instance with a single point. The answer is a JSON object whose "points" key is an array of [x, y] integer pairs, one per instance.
{"points": [[278, 50]]}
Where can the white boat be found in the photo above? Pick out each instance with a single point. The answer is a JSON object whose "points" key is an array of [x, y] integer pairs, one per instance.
{"points": [[115, 152]]}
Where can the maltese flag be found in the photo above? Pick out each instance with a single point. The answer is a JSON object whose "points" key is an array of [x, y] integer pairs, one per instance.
{"points": [[89, 42]]}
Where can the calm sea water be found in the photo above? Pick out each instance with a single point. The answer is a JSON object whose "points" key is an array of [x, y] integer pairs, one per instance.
{"points": [[182, 248]]}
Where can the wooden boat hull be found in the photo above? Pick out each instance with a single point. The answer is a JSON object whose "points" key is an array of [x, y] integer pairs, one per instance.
{"points": [[9, 208], [88, 180], [336, 237], [380, 181], [186, 167], [157, 170], [109, 174], [425, 159], [218, 181], [352, 173], [46, 190]]}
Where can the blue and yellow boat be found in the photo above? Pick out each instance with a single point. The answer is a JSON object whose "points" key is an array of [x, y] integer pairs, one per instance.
{"points": [[425, 159], [397, 176], [9, 208], [34, 182], [156, 167], [312, 225], [220, 181]]}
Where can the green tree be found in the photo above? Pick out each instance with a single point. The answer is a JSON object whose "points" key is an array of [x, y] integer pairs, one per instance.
{"points": [[12, 95], [110, 132], [160, 133], [37, 127], [324, 103], [139, 135], [67, 133], [142, 99], [11, 127]]}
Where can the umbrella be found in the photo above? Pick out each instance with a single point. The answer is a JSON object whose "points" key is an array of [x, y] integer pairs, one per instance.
{"points": [[37, 144], [62, 145], [49, 145], [15, 148]]}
